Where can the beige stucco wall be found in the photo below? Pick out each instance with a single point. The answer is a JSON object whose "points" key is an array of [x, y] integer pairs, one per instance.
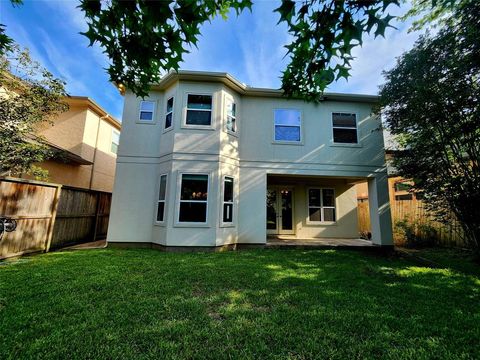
{"points": [[147, 150], [83, 132]]}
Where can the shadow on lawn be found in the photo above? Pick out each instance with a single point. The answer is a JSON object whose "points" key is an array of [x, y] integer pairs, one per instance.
{"points": [[248, 304]]}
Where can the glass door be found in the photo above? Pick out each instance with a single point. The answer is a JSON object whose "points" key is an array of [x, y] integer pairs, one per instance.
{"points": [[280, 210]]}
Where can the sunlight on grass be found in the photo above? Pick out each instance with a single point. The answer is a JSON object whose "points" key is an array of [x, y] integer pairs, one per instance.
{"points": [[248, 304]]}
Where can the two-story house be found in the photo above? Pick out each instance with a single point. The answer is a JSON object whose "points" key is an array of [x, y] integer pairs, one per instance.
{"points": [[207, 161], [85, 139]]}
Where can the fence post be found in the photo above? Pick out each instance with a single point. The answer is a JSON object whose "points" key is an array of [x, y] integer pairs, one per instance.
{"points": [[97, 208], [52, 219]]}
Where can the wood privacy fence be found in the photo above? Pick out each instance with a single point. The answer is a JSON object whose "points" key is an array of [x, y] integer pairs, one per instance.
{"points": [[414, 214], [50, 216]]}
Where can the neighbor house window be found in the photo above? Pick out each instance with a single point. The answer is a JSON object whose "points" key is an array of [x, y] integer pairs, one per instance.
{"points": [[344, 128], [193, 198], [161, 198], [288, 125], [147, 109], [199, 110], [321, 205], [115, 141], [231, 109], [227, 216], [169, 114]]}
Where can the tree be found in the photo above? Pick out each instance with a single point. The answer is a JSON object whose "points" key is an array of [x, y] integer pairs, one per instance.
{"points": [[431, 102], [30, 96]]}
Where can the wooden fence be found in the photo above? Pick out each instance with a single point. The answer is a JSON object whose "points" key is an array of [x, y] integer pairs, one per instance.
{"points": [[414, 214], [50, 216]]}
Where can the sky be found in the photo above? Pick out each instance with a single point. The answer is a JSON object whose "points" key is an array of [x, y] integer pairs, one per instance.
{"points": [[250, 47]]}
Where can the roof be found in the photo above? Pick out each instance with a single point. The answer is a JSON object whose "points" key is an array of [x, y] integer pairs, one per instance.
{"points": [[246, 90], [92, 105]]}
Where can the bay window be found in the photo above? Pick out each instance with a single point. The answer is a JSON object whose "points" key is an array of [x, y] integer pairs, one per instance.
{"points": [[199, 110], [161, 198], [227, 208], [147, 110], [193, 198]]}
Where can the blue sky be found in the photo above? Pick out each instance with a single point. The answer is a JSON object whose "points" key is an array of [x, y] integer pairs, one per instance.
{"points": [[250, 47]]}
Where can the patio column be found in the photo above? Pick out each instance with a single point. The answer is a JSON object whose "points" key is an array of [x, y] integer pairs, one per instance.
{"points": [[380, 218]]}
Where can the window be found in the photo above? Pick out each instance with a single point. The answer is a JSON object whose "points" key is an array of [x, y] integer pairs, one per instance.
{"points": [[193, 198], [287, 125], [344, 128], [169, 114], [231, 123], [199, 110], [147, 109], [115, 141], [161, 198], [321, 205], [227, 216]]}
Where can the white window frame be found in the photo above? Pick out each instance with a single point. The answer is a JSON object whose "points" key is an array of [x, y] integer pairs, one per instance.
{"points": [[185, 111], [165, 129], [356, 144], [111, 142], [228, 131], [158, 201], [288, 142], [179, 195], [223, 202], [153, 121], [321, 207]]}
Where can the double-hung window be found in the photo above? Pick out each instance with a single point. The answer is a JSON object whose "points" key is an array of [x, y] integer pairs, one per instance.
{"points": [[115, 141], [199, 110], [227, 215], [344, 128], [169, 114], [231, 121], [288, 125], [321, 205], [193, 198], [147, 111], [161, 198]]}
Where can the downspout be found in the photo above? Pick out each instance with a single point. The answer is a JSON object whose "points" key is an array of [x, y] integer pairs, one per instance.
{"points": [[95, 150]]}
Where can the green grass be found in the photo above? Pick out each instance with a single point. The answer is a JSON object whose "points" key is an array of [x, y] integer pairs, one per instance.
{"points": [[247, 304]]}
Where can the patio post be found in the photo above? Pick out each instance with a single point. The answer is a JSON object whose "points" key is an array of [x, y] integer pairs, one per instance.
{"points": [[380, 217]]}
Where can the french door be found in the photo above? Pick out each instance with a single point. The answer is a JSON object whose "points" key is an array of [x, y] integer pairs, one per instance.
{"points": [[280, 210]]}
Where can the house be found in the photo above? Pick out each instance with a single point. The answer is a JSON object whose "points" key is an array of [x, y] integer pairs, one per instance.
{"points": [[207, 161], [85, 141]]}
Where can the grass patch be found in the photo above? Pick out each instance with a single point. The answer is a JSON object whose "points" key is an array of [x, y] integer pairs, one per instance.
{"points": [[270, 304]]}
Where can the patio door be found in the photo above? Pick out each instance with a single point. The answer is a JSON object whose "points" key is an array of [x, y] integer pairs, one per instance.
{"points": [[280, 210]]}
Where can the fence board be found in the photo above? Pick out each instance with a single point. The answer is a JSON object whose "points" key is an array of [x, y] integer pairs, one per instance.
{"points": [[78, 216]]}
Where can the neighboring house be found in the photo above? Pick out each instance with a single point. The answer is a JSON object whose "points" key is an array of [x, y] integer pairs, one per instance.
{"points": [[85, 140], [206, 161]]}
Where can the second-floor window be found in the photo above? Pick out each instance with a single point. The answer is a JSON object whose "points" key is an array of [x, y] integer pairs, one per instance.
{"points": [[115, 141], [199, 110], [169, 113], [147, 110], [288, 125], [344, 128], [231, 121]]}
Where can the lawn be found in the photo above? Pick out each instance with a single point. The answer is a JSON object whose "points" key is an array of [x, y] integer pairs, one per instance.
{"points": [[264, 304]]}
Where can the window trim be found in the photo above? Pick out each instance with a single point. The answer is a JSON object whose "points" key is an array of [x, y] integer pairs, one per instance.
{"points": [[233, 202], [288, 142], [150, 122], [335, 207], [157, 201], [228, 97], [332, 141], [185, 111], [165, 129], [111, 140], [179, 195]]}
